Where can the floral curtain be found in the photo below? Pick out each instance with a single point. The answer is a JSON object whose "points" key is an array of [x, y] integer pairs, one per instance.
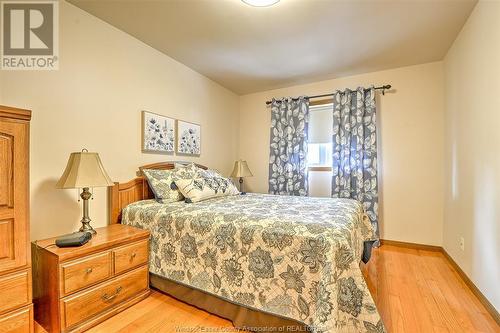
{"points": [[288, 153], [355, 149]]}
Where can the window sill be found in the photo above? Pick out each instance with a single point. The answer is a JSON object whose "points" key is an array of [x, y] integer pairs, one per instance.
{"points": [[319, 168]]}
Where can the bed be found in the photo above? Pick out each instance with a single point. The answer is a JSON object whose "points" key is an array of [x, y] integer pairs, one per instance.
{"points": [[267, 263]]}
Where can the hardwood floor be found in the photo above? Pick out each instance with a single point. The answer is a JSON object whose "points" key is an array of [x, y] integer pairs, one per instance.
{"points": [[419, 291], [158, 313], [416, 291]]}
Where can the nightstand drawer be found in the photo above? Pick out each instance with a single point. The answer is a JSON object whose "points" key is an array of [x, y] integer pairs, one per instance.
{"points": [[130, 256], [81, 273], [79, 307], [14, 290], [19, 321]]}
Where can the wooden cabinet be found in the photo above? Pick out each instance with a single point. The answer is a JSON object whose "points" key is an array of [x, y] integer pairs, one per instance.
{"points": [[16, 314], [76, 288]]}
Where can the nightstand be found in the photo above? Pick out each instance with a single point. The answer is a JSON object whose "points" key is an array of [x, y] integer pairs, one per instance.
{"points": [[76, 288]]}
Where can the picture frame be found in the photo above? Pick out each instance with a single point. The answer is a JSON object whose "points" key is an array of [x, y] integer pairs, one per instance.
{"points": [[158, 133], [188, 138]]}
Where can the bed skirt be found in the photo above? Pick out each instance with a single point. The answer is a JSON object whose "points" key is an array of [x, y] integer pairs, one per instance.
{"points": [[242, 317]]}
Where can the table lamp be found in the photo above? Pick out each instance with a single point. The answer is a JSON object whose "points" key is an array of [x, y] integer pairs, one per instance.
{"points": [[84, 170], [240, 171]]}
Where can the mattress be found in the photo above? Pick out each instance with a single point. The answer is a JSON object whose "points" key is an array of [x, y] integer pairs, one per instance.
{"points": [[293, 257]]}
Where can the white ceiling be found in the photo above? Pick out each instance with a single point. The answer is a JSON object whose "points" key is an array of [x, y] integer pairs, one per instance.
{"points": [[249, 49]]}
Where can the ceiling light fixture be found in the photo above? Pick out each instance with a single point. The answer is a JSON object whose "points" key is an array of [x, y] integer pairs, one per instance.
{"points": [[261, 3]]}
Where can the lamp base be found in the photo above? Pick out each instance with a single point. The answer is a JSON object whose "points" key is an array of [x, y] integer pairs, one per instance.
{"points": [[86, 195], [86, 227], [241, 185]]}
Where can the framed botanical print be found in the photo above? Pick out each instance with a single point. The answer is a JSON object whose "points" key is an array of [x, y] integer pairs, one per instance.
{"points": [[158, 133], [188, 138]]}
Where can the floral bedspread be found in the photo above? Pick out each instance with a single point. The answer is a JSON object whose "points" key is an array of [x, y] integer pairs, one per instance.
{"points": [[296, 257]]}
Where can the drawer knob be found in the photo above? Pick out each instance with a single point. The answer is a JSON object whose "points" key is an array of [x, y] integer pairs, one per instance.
{"points": [[133, 256], [108, 298], [89, 270]]}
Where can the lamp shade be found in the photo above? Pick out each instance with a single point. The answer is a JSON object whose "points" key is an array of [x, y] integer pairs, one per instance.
{"points": [[241, 170], [84, 169]]}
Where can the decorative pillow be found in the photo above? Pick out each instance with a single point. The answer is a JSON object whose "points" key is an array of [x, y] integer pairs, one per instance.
{"points": [[205, 184], [161, 183], [180, 165], [181, 170]]}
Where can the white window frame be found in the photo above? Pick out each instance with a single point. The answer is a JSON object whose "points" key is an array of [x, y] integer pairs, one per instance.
{"points": [[320, 106]]}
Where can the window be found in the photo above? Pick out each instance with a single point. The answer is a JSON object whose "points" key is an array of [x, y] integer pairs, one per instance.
{"points": [[319, 155]]}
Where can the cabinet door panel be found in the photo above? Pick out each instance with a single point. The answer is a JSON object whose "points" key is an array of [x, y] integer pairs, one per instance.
{"points": [[6, 170], [7, 240], [14, 207]]}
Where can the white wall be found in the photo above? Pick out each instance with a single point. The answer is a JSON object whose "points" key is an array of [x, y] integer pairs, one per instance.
{"points": [[472, 206], [411, 144], [106, 78]]}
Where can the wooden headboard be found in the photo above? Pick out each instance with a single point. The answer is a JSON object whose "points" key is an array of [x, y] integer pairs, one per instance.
{"points": [[122, 194]]}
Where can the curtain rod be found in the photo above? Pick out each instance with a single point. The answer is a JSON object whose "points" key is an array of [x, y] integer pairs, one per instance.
{"points": [[383, 88]]}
